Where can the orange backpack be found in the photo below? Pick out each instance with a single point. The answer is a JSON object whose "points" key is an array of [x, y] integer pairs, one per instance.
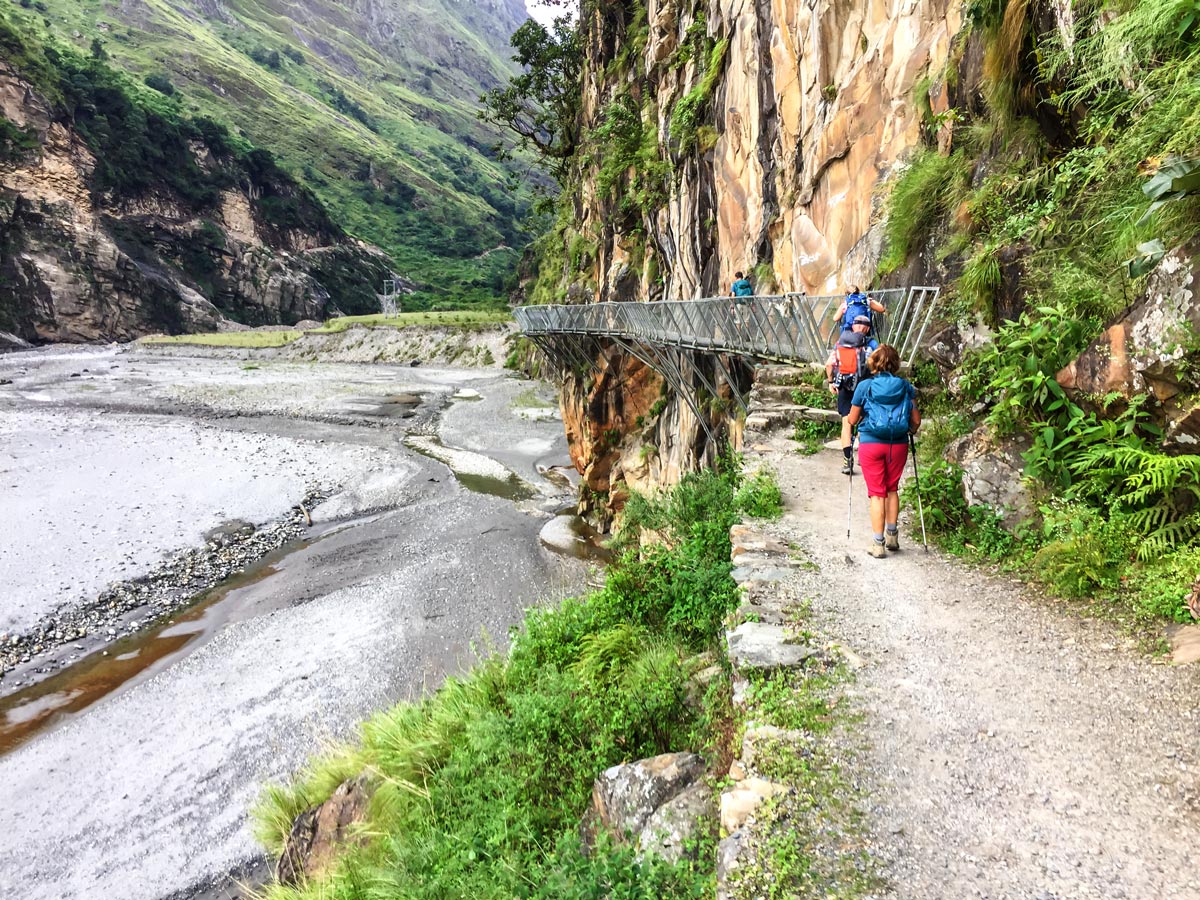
{"points": [[851, 360]]}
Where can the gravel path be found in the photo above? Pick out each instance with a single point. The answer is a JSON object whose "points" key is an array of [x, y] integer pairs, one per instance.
{"points": [[1015, 750]]}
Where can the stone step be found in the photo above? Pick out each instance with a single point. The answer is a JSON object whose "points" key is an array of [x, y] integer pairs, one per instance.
{"points": [[781, 375], [767, 418], [771, 393]]}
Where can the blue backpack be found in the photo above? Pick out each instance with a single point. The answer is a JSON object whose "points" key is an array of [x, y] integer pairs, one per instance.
{"points": [[856, 305], [889, 422]]}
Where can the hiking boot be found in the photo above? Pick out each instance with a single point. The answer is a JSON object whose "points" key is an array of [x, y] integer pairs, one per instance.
{"points": [[848, 468], [878, 550], [891, 540]]}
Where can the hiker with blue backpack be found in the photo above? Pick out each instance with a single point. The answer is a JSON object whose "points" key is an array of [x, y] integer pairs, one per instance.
{"points": [[741, 287], [858, 304], [884, 409], [845, 369]]}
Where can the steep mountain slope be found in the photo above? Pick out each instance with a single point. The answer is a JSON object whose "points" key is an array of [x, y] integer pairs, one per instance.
{"points": [[371, 103], [118, 216]]}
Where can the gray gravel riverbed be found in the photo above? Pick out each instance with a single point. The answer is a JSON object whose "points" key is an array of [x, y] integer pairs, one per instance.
{"points": [[145, 794]]}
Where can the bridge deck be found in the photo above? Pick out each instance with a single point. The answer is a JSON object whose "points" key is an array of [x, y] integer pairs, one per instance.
{"points": [[786, 327]]}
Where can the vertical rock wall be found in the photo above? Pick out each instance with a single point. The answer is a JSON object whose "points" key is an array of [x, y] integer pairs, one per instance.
{"points": [[798, 112]]}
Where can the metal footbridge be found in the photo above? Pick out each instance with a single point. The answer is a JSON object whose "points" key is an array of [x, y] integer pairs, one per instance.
{"points": [[695, 344]]}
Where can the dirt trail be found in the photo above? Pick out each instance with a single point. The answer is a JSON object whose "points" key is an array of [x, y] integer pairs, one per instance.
{"points": [[1015, 750]]}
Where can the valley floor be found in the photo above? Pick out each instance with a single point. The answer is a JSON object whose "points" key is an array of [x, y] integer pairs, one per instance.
{"points": [[151, 746], [1012, 748]]}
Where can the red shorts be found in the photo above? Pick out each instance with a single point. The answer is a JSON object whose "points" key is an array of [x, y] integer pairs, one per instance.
{"points": [[882, 465]]}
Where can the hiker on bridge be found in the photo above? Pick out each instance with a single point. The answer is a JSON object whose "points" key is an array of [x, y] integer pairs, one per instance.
{"points": [[858, 304], [884, 409], [845, 369], [741, 288], [741, 291]]}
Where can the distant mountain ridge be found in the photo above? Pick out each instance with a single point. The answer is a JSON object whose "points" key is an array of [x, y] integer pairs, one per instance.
{"points": [[369, 103], [119, 217]]}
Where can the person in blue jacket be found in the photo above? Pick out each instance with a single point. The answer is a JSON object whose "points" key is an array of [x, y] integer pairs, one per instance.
{"points": [[741, 286], [885, 411]]}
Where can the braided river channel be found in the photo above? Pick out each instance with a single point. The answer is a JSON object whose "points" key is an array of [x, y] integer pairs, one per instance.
{"points": [[213, 567]]}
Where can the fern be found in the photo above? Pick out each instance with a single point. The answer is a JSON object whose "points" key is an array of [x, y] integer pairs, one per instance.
{"points": [[1160, 493], [605, 655]]}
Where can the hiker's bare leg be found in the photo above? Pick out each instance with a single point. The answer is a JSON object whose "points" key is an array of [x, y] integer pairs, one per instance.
{"points": [[891, 510], [877, 511]]}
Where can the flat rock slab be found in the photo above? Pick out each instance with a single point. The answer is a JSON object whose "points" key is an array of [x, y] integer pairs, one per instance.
{"points": [[754, 645], [1185, 644], [815, 414], [747, 540], [739, 804], [760, 573]]}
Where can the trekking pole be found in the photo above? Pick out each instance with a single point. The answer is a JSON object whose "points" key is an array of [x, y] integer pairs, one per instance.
{"points": [[850, 489], [912, 445]]}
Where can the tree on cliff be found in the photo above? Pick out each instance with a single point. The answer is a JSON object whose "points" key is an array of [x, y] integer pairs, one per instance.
{"points": [[541, 104]]}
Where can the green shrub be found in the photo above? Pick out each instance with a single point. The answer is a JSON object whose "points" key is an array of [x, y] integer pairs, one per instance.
{"points": [[1163, 586], [812, 435], [925, 192], [760, 497], [480, 786]]}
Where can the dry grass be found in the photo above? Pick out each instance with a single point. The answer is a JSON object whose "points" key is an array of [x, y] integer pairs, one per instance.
{"points": [[246, 339]]}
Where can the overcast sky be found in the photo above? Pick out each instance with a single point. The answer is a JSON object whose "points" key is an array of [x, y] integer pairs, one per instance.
{"points": [[541, 12]]}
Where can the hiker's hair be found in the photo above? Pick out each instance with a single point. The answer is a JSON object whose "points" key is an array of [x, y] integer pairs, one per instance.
{"points": [[885, 359], [739, 275], [854, 289]]}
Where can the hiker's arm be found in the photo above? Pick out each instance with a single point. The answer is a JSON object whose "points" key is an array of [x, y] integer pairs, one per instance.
{"points": [[876, 305], [914, 421], [855, 415]]}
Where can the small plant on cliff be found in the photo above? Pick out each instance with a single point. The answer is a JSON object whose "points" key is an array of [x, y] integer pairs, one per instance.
{"points": [[689, 112], [926, 191], [15, 143]]}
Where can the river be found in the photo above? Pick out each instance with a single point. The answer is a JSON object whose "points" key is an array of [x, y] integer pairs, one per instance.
{"points": [[135, 740]]}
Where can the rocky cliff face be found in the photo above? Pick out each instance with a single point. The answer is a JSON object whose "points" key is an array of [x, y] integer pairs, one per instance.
{"points": [[78, 264], [727, 135]]}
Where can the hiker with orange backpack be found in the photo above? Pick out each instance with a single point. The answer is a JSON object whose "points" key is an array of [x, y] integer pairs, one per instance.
{"points": [[844, 369], [885, 411]]}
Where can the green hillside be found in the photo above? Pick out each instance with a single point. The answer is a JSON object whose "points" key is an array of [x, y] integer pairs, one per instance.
{"points": [[371, 103]]}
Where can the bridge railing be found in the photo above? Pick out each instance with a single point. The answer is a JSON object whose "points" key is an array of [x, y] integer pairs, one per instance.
{"points": [[785, 326]]}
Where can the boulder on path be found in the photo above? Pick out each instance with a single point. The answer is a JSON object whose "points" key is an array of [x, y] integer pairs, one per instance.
{"points": [[755, 645], [318, 833]]}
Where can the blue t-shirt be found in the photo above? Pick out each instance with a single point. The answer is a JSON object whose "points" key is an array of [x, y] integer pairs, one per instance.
{"points": [[885, 389]]}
